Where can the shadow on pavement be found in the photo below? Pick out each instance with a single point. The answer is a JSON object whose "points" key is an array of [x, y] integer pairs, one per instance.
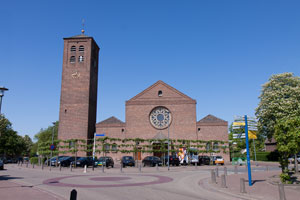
{"points": [[7, 177], [256, 181]]}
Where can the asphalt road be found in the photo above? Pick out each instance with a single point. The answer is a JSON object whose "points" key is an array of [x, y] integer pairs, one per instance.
{"points": [[178, 183]]}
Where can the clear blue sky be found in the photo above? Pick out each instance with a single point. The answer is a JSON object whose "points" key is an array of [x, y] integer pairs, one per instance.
{"points": [[217, 52]]}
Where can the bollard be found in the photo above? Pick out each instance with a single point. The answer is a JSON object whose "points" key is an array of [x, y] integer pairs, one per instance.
{"points": [[71, 167], [217, 172], [21, 164], [42, 166], [242, 186], [267, 168], [281, 191], [32, 165], [213, 176], [84, 171], [157, 167], [50, 168], [235, 169], [102, 168], [59, 167], [223, 181], [93, 167], [140, 168], [121, 168], [73, 195], [196, 165], [27, 165], [225, 171]]}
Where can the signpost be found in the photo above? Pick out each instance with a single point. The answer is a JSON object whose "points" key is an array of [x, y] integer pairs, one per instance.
{"points": [[250, 133], [94, 148]]}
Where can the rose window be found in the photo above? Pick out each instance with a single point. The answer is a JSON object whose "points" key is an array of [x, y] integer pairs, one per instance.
{"points": [[160, 117]]}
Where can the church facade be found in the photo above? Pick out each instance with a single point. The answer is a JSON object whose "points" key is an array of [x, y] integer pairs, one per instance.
{"points": [[159, 111]]}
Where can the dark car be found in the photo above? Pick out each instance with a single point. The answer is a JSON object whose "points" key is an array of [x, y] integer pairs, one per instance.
{"points": [[53, 160], [204, 160], [174, 160], [151, 161], [81, 162], [127, 161], [66, 161], [1, 165], [105, 161]]}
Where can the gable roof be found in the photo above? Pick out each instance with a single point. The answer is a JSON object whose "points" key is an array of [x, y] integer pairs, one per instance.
{"points": [[175, 91], [160, 136], [212, 120], [112, 121]]}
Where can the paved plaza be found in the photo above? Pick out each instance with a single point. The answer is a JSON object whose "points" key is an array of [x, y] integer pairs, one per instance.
{"points": [[183, 182]]}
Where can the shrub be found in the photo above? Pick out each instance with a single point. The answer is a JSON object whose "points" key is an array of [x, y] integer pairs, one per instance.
{"points": [[34, 160]]}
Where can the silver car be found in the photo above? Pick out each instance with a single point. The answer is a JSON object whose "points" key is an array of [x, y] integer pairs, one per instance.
{"points": [[1, 165]]}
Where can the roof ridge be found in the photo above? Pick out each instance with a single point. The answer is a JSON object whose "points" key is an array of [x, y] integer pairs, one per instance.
{"points": [[111, 120], [155, 84]]}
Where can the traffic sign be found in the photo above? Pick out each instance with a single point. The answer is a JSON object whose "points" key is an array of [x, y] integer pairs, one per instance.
{"points": [[52, 147], [101, 134]]}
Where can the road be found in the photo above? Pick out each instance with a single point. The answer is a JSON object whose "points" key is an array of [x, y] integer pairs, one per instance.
{"points": [[178, 183]]}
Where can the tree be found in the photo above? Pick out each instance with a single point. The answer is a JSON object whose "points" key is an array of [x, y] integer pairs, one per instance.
{"points": [[279, 99], [11, 144], [287, 135], [45, 135], [27, 144]]}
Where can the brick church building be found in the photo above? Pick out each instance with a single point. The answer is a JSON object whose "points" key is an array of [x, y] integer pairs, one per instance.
{"points": [[152, 114]]}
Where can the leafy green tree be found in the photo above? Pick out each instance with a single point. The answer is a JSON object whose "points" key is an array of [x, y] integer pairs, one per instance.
{"points": [[27, 144], [45, 135], [279, 99], [11, 144], [287, 135]]}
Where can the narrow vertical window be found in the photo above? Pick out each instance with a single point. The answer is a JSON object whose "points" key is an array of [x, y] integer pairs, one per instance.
{"points": [[160, 93], [80, 59], [73, 48], [72, 59], [81, 48]]}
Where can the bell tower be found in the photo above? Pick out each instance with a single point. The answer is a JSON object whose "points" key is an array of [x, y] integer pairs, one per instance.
{"points": [[78, 99]]}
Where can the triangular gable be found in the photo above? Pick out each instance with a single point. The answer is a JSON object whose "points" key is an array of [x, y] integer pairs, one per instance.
{"points": [[112, 121], [168, 92], [211, 119]]}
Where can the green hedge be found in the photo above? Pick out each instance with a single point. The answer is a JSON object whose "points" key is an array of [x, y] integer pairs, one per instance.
{"points": [[266, 156], [34, 160]]}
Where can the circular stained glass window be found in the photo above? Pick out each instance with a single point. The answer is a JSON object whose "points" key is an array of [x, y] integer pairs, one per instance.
{"points": [[160, 117]]}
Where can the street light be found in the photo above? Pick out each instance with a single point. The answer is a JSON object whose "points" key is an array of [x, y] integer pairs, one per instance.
{"points": [[2, 90]]}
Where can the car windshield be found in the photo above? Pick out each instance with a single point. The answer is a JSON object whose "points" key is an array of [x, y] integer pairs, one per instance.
{"points": [[102, 159], [82, 158], [128, 158], [155, 158], [219, 157]]}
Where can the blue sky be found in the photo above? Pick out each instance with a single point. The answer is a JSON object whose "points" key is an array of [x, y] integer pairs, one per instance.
{"points": [[217, 52]]}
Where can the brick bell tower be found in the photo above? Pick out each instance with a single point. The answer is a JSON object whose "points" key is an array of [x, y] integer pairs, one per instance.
{"points": [[78, 99]]}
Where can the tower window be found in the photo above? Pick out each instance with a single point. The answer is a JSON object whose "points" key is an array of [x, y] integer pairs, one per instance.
{"points": [[80, 59], [73, 48], [160, 93], [81, 48], [72, 59]]}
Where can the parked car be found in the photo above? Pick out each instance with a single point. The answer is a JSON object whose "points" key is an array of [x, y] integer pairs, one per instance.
{"points": [[151, 161], [66, 161], [105, 161], [173, 159], [1, 165], [82, 161], [127, 161], [204, 160], [53, 160], [218, 160]]}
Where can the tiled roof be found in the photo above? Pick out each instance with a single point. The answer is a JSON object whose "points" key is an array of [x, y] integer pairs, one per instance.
{"points": [[160, 136], [211, 119], [111, 120], [270, 141]]}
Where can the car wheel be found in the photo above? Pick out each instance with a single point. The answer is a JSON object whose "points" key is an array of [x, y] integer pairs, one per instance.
{"points": [[112, 166], [124, 165]]}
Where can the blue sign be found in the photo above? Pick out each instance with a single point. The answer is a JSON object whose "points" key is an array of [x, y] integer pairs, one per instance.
{"points": [[52, 147], [102, 134]]}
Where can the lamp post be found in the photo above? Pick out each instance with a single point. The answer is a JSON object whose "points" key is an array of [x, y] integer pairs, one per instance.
{"points": [[2, 90], [52, 139]]}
